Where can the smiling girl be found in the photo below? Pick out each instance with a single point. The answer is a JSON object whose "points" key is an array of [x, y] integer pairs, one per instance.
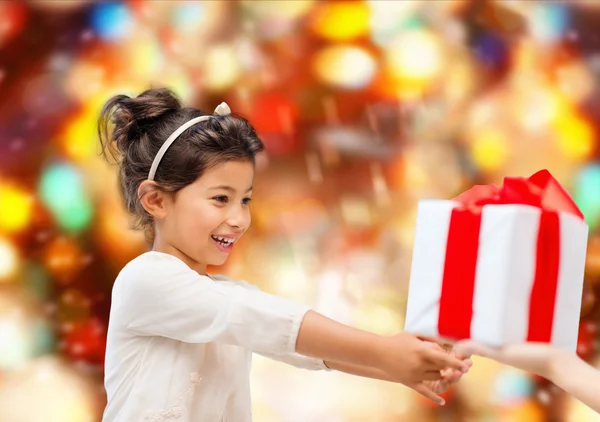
{"points": [[180, 341]]}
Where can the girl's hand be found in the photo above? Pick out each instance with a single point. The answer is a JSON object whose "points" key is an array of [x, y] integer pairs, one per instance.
{"points": [[424, 365], [449, 376], [537, 358]]}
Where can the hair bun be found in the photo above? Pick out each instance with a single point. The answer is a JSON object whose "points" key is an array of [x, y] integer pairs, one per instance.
{"points": [[151, 104], [132, 117]]}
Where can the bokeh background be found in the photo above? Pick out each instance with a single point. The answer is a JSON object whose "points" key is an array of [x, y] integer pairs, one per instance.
{"points": [[365, 107]]}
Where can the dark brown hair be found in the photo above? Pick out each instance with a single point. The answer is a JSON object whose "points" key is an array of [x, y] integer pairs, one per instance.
{"points": [[132, 130]]}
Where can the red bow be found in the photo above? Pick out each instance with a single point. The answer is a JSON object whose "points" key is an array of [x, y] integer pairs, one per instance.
{"points": [[540, 190]]}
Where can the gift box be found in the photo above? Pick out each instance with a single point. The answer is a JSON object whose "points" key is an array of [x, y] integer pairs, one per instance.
{"points": [[500, 265]]}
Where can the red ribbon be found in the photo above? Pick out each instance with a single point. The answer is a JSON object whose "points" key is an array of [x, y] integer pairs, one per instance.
{"points": [[456, 304]]}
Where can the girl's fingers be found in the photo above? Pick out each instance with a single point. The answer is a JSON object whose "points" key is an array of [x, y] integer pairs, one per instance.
{"points": [[432, 375], [428, 392]]}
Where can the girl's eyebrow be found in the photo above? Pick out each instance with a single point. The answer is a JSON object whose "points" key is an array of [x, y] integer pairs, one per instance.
{"points": [[228, 188]]}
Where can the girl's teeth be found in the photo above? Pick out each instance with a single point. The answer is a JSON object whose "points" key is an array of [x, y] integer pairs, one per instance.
{"points": [[222, 240]]}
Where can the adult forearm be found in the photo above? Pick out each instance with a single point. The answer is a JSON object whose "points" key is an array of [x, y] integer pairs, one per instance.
{"points": [[579, 379]]}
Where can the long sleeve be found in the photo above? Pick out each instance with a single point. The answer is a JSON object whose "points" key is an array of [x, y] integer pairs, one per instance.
{"points": [[290, 357], [166, 298]]}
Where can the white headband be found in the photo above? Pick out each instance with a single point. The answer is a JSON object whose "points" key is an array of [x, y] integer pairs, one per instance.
{"points": [[221, 110]]}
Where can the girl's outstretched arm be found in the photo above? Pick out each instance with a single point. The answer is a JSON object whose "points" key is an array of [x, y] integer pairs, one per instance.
{"points": [[402, 358]]}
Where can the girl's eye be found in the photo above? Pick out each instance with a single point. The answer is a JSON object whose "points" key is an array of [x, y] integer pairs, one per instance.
{"points": [[246, 201], [222, 199]]}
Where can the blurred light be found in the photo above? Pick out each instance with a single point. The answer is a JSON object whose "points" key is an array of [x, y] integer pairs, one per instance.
{"points": [[587, 342], [356, 212], [74, 306], [290, 280], [522, 7], [513, 387], [23, 335], [63, 192], [221, 67], [592, 262], [460, 78], [378, 319], [36, 281], [57, 6], [16, 208], [63, 258], [587, 186], [80, 138], [588, 297], [307, 215], [345, 66], [525, 68], [332, 298], [549, 21], [13, 16], [380, 186], [9, 259], [429, 170], [341, 21], [251, 58], [574, 136], [489, 149], [44, 338], [576, 81], [415, 54], [152, 13], [476, 390], [414, 176], [277, 127], [14, 344], [450, 6], [84, 78], [592, 4], [536, 106], [266, 19], [530, 411], [87, 341], [117, 241], [111, 21], [491, 50], [189, 41], [59, 394], [414, 60], [187, 15], [44, 95], [390, 17], [142, 56], [277, 10], [402, 228]]}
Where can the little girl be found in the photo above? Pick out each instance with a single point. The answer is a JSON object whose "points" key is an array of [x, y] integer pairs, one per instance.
{"points": [[180, 341]]}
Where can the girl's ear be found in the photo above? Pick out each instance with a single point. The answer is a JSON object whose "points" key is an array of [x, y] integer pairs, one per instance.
{"points": [[152, 199]]}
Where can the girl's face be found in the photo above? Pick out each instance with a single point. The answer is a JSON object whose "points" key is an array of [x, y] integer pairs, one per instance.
{"points": [[203, 221]]}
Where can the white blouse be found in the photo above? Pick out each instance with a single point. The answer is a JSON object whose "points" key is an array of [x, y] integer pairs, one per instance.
{"points": [[180, 344]]}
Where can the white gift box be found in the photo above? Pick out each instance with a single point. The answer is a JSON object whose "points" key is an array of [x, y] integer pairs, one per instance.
{"points": [[504, 275]]}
